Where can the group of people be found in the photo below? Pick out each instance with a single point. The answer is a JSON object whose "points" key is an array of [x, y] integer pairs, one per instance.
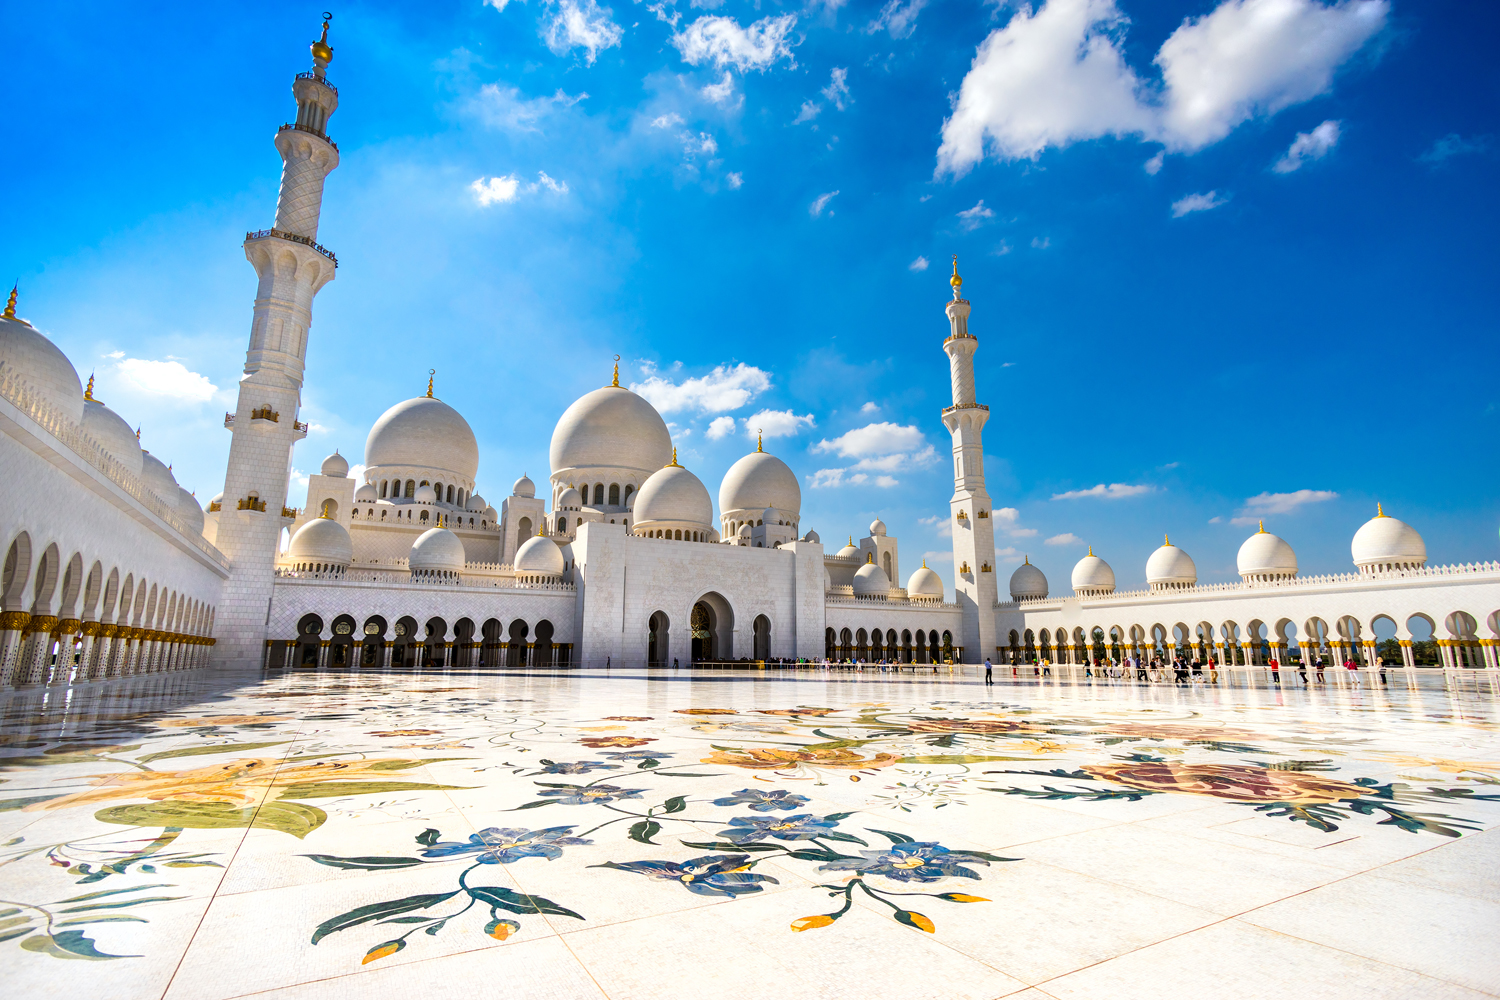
{"points": [[1181, 670]]}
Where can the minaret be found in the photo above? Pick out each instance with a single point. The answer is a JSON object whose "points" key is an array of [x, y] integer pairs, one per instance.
{"points": [[973, 527], [292, 267]]}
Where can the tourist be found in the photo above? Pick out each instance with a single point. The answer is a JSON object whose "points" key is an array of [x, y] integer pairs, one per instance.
{"points": [[1318, 669], [1275, 671], [989, 670]]}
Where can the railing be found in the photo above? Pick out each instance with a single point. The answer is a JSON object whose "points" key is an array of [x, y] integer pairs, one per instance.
{"points": [[404, 579], [229, 421], [967, 406], [282, 234], [291, 512], [265, 413], [18, 393], [251, 503], [298, 425], [310, 75], [310, 131]]}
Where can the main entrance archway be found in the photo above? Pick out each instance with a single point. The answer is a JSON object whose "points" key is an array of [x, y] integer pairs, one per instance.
{"points": [[712, 624]]}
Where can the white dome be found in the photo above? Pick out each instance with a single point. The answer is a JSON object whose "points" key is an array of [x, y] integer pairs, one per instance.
{"points": [[159, 478], [811, 536], [45, 368], [760, 480], [492, 513], [674, 494], [321, 541], [1387, 543], [423, 433], [524, 487], [189, 511], [848, 551], [1266, 555], [877, 528], [1170, 566], [613, 428], [924, 583], [1093, 575], [367, 493], [1027, 581], [336, 466], [539, 556], [425, 494], [437, 549], [475, 503], [113, 434], [569, 499], [870, 581]]}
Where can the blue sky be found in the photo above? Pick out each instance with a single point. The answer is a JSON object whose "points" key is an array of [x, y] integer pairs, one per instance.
{"points": [[1226, 260]]}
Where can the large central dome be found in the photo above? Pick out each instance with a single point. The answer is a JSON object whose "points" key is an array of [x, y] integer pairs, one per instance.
{"points": [[611, 428], [758, 481], [423, 433]]}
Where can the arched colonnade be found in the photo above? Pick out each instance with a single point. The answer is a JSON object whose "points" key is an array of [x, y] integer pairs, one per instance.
{"points": [[344, 642]]}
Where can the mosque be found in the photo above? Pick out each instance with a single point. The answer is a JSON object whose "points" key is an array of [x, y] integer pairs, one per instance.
{"points": [[618, 559]]}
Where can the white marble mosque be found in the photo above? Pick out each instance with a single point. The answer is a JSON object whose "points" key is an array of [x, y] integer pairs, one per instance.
{"points": [[617, 557]]}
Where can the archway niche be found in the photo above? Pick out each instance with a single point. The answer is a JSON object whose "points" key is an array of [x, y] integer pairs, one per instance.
{"points": [[713, 628], [658, 639], [516, 655], [762, 638], [542, 644]]}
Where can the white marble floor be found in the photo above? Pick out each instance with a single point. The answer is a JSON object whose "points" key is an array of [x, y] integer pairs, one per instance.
{"points": [[743, 834]]}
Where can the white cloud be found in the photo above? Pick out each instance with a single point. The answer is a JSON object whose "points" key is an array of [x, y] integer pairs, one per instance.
{"points": [[668, 120], [1312, 145], [807, 113], [1041, 242], [972, 218], [1008, 520], [357, 473], [721, 92], [870, 407], [660, 10], [719, 428], [1002, 249], [505, 108], [497, 4], [707, 4], [703, 143], [940, 523], [820, 203], [920, 264], [1284, 503], [777, 423], [1452, 145], [720, 390], [839, 477], [735, 181], [1114, 491], [580, 24], [1153, 166], [115, 354], [1066, 538], [723, 42], [897, 18], [886, 482], [1204, 202], [496, 189], [543, 181], [874, 439], [1057, 74], [166, 378], [837, 90]]}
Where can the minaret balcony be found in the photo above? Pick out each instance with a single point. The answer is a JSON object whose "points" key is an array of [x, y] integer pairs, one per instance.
{"points": [[282, 234], [965, 406], [310, 75], [298, 127]]}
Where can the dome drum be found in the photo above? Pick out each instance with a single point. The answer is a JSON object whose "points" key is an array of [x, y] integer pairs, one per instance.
{"points": [[392, 482], [1093, 577], [1170, 568], [1385, 544], [321, 546], [437, 556], [539, 560], [1027, 583]]}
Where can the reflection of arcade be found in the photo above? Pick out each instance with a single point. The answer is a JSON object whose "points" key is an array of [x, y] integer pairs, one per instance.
{"points": [[908, 647]]}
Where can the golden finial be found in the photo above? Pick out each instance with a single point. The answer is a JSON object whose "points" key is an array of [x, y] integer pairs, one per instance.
{"points": [[541, 528], [924, 562], [1028, 560], [137, 431], [1091, 550], [759, 445], [1262, 530], [88, 390], [10, 304], [673, 464], [1379, 510], [870, 559], [956, 281], [616, 383], [851, 539], [321, 51], [1167, 537], [431, 374], [324, 513]]}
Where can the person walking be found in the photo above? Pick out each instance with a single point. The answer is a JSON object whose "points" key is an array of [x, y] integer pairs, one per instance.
{"points": [[989, 671]]}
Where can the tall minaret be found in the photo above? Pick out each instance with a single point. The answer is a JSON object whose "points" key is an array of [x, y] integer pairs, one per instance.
{"points": [[973, 527], [292, 267]]}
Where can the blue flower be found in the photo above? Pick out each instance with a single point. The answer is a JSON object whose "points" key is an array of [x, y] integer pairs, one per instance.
{"points": [[710, 875], [804, 826], [582, 795], [637, 755], [502, 846], [914, 861], [760, 801], [575, 767]]}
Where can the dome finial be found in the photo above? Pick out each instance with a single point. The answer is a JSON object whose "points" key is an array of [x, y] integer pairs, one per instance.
{"points": [[137, 432], [1167, 538], [431, 374], [924, 562], [322, 53], [956, 281], [324, 511], [870, 559], [759, 443], [673, 464], [1379, 510], [1091, 550], [1028, 560], [10, 305], [88, 390], [1262, 530], [616, 383]]}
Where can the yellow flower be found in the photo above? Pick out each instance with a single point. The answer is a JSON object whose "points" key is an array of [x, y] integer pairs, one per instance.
{"points": [[808, 923]]}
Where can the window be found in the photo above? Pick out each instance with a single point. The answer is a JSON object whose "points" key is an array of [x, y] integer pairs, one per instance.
{"points": [[614, 494], [384, 483], [599, 494], [411, 488], [562, 524], [450, 494], [628, 490], [424, 515], [438, 489]]}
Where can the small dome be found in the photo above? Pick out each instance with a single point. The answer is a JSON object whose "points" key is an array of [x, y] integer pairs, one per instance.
{"points": [[870, 580], [189, 511], [475, 503], [760, 480], [848, 551], [1027, 581], [336, 466], [611, 428], [811, 536], [113, 434], [924, 583], [569, 499], [1264, 555], [524, 487], [1092, 575], [321, 542], [367, 493], [159, 478], [41, 365], [539, 556], [1385, 543], [674, 494], [1169, 566], [425, 494], [877, 528], [423, 433], [437, 550], [492, 514]]}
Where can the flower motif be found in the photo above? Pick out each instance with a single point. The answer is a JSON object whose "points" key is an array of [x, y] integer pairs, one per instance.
{"points": [[596, 742], [804, 826], [502, 846], [1172, 731], [914, 861], [707, 711], [638, 755], [627, 718], [767, 760], [974, 727], [800, 710], [760, 801], [408, 732], [710, 875], [575, 767], [582, 795], [1236, 782]]}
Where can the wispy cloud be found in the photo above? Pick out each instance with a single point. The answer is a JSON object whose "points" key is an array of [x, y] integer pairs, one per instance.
{"points": [[722, 389], [1285, 503], [1153, 166], [897, 17], [499, 190], [837, 90], [1308, 146], [1066, 538], [170, 379], [1452, 145], [1113, 491], [669, 120], [580, 24], [942, 524], [920, 264], [504, 108], [820, 203], [971, 219], [721, 41], [721, 93], [807, 113], [777, 423], [879, 447], [1204, 202], [825, 478]]}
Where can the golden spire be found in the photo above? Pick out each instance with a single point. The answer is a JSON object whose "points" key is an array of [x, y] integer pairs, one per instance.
{"points": [[1028, 560], [616, 383], [324, 512], [673, 464], [1167, 537], [88, 391], [10, 306], [1091, 550], [759, 446], [541, 528], [870, 559], [137, 432], [851, 539], [321, 51], [956, 281], [1262, 530], [924, 562], [1379, 510], [431, 374]]}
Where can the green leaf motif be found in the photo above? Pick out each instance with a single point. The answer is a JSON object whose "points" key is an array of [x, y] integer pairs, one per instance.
{"points": [[847, 837], [428, 837], [286, 817], [202, 750], [111, 892], [372, 864], [123, 902], [515, 902], [333, 789], [895, 838], [675, 804], [377, 911], [644, 831], [687, 774], [67, 944], [711, 845], [533, 805]]}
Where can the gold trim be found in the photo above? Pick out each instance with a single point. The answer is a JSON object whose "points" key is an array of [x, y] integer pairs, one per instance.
{"points": [[14, 621]]}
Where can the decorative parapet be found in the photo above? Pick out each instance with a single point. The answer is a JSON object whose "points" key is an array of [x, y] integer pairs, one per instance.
{"points": [[315, 78], [265, 413], [229, 421], [15, 390], [282, 234], [214, 506], [250, 503], [309, 129], [291, 513], [402, 580]]}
